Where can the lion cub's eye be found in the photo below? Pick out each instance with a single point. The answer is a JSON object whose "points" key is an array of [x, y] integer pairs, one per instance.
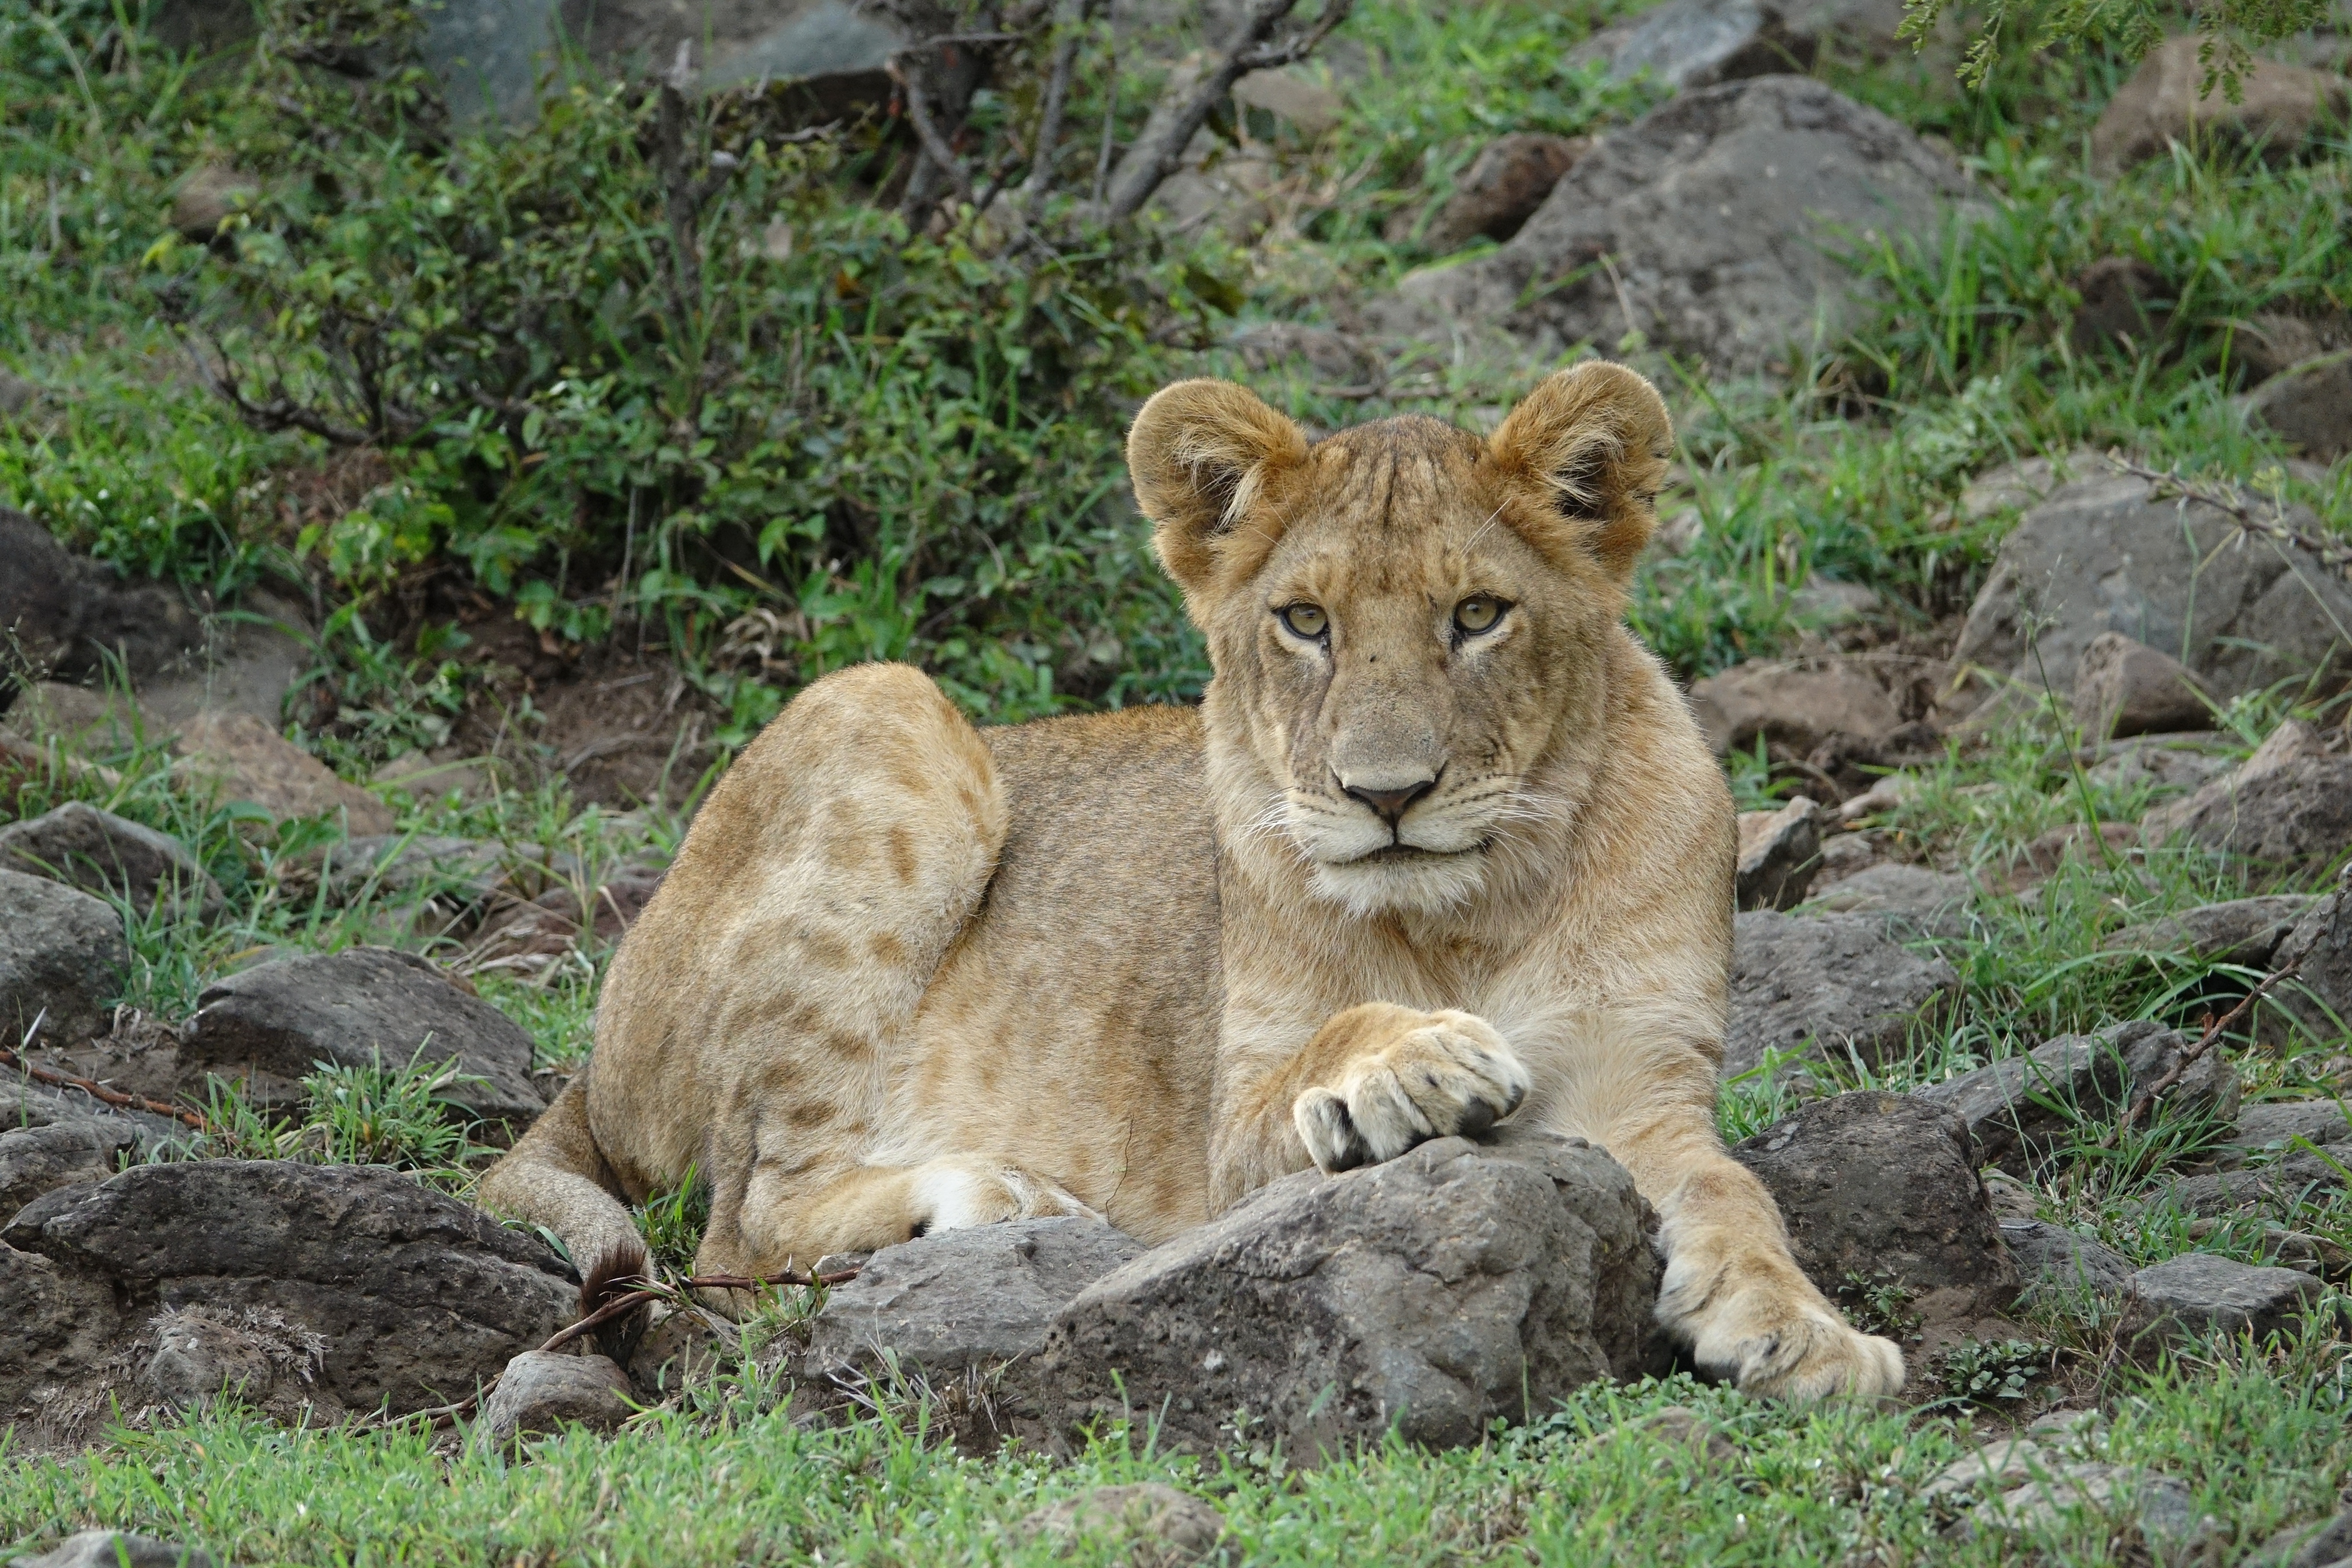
{"points": [[1308, 621], [1478, 613]]}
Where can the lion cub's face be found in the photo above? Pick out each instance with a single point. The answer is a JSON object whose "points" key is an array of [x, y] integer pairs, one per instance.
{"points": [[1405, 619]]}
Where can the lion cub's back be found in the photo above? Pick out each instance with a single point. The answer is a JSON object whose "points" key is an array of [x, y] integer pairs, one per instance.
{"points": [[1083, 1000]]}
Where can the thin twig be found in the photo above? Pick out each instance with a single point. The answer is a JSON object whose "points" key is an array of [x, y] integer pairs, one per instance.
{"points": [[281, 413], [2214, 1032], [115, 1098], [2228, 500]]}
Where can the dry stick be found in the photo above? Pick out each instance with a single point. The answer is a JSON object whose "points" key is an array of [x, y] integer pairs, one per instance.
{"points": [[1057, 94], [2214, 1032], [1148, 164], [1109, 124], [927, 131], [15, 1063], [2226, 500]]}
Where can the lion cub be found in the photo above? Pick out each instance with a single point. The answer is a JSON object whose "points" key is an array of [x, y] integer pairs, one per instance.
{"points": [[1440, 846]]}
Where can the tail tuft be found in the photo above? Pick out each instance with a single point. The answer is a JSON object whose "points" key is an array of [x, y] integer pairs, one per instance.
{"points": [[615, 1271]]}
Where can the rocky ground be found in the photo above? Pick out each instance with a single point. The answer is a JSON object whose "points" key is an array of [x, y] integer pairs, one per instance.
{"points": [[2006, 560]]}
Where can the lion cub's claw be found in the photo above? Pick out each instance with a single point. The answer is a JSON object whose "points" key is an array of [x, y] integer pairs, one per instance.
{"points": [[1445, 1074]]}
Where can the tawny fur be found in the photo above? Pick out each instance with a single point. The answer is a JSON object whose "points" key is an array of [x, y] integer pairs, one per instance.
{"points": [[909, 975]]}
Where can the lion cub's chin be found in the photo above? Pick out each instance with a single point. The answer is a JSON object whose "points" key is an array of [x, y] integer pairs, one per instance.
{"points": [[1404, 880]]}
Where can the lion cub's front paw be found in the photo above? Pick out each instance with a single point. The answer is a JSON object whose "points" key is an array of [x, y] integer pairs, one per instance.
{"points": [[1795, 1351], [1420, 1076]]}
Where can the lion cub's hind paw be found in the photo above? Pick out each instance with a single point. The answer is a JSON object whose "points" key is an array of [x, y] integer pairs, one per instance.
{"points": [[1440, 1075]]}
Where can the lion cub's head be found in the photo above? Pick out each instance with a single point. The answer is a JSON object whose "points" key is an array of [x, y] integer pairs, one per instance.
{"points": [[1407, 623]]}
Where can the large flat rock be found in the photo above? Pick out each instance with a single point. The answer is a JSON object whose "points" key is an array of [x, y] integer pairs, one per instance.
{"points": [[413, 1295]]}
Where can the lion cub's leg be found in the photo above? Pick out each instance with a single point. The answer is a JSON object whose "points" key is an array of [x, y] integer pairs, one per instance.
{"points": [[785, 1220], [1732, 1292], [1373, 1081]]}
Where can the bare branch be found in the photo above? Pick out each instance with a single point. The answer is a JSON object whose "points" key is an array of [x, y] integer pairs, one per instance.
{"points": [[927, 132], [1109, 125], [1156, 155], [2231, 503], [280, 413], [1070, 27]]}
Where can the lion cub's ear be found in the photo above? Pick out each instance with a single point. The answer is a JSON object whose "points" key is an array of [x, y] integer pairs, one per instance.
{"points": [[1594, 438], [1200, 454]]}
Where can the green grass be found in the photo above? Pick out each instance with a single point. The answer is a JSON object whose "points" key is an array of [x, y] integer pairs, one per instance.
{"points": [[2260, 1443]]}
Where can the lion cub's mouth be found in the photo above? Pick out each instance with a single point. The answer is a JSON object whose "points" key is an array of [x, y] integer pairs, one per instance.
{"points": [[1411, 854]]}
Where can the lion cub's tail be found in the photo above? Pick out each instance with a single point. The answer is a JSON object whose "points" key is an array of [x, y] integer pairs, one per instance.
{"points": [[556, 1176]]}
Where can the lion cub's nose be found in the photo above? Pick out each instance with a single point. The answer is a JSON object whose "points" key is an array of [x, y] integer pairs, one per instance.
{"points": [[1391, 805]]}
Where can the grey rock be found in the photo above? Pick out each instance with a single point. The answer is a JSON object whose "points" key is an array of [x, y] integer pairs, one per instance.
{"points": [[2053, 1260], [1721, 213], [2287, 807], [2026, 1105], [100, 853], [2242, 931], [254, 1356], [542, 1391], [2272, 342], [463, 874], [2280, 1190], [1502, 188], [489, 55], [2199, 1292], [115, 1549], [1910, 901], [1885, 1185], [1698, 43], [2163, 1508], [1830, 983], [2127, 305], [2314, 1546], [2126, 688], [1155, 1525], [684, 1345], [1796, 706], [249, 663], [961, 1298], [36, 1159], [2276, 1124], [2318, 1000], [2175, 761], [417, 1297], [1431, 1294], [70, 615], [1778, 853], [2276, 107], [2108, 554], [62, 958], [2311, 406], [356, 1009]]}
